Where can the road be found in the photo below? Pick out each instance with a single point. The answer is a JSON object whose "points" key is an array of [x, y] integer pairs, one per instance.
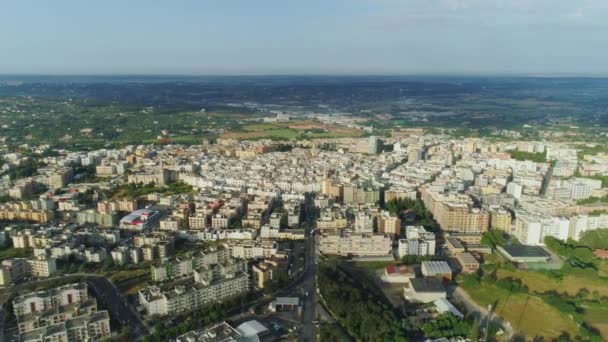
{"points": [[309, 331], [110, 296]]}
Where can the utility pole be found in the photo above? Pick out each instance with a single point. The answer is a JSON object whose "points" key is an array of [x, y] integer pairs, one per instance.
{"points": [[488, 321]]}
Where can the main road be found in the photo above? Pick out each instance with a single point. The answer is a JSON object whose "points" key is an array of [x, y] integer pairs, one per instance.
{"points": [[308, 332]]}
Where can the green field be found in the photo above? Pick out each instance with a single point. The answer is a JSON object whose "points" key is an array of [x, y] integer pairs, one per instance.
{"points": [[526, 313], [572, 296], [79, 123]]}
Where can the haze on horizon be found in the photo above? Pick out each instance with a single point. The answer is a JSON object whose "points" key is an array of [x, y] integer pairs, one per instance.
{"points": [[566, 37]]}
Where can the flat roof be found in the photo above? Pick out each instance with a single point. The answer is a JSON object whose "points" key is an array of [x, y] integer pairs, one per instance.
{"points": [[436, 267], [251, 328], [443, 305], [467, 258], [398, 269], [287, 301], [427, 285], [519, 251]]}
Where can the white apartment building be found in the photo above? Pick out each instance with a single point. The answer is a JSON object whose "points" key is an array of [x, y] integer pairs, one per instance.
{"points": [[85, 328], [211, 285], [580, 224], [169, 224], [252, 249], [199, 221], [269, 232], [219, 221], [417, 242], [531, 229], [362, 244], [364, 223]]}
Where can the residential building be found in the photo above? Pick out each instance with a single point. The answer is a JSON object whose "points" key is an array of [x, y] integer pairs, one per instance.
{"points": [[361, 244]]}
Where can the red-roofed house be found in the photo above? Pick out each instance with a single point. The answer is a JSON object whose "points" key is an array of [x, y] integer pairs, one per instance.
{"points": [[399, 274]]}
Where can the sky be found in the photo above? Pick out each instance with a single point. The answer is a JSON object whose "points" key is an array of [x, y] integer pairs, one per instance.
{"points": [[229, 37]]}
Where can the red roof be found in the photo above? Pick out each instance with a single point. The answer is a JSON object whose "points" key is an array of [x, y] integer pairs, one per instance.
{"points": [[601, 253], [400, 269]]}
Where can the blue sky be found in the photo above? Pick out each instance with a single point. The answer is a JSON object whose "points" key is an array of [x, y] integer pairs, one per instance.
{"points": [[303, 37]]}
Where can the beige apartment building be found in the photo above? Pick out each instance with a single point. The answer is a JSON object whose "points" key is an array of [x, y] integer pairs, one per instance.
{"points": [[389, 224], [459, 217], [40, 216], [500, 219], [334, 190]]}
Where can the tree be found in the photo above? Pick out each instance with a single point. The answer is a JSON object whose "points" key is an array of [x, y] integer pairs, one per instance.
{"points": [[493, 238]]}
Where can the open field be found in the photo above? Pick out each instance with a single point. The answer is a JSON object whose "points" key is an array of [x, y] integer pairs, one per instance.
{"points": [[570, 285], [291, 130], [597, 316], [579, 291], [526, 313]]}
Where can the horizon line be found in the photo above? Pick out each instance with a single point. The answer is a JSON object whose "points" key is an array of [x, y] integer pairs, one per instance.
{"points": [[302, 74]]}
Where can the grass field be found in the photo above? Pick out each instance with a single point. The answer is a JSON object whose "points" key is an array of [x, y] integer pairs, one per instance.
{"points": [[526, 313], [574, 281], [597, 316], [570, 285]]}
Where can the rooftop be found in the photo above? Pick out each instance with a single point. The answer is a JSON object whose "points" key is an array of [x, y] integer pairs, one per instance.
{"points": [[436, 267], [519, 251], [251, 328], [398, 269], [427, 285]]}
